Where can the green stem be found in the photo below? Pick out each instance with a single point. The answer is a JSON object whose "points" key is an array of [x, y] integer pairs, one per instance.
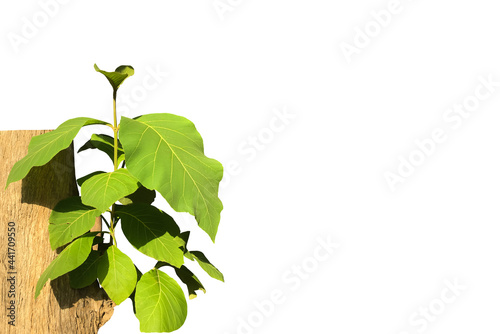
{"points": [[115, 131], [105, 221], [115, 164]]}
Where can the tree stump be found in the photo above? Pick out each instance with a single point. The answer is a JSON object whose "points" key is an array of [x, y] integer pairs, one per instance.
{"points": [[25, 208]]}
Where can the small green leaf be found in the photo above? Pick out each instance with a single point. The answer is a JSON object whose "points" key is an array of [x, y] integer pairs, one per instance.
{"points": [[81, 180], [184, 236], [187, 277], [151, 231], [160, 303], [105, 144], [117, 77], [207, 266], [165, 152], [70, 219], [117, 274], [141, 195], [44, 147], [103, 190], [69, 259], [85, 274], [189, 256], [192, 282]]}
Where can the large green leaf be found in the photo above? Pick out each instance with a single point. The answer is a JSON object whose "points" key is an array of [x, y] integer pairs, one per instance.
{"points": [[117, 274], [207, 266], [152, 232], [85, 274], [69, 259], [160, 303], [70, 219], [44, 147], [102, 190], [105, 144], [117, 77], [165, 152]]}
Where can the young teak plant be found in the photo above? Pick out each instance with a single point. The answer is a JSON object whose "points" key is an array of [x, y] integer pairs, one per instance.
{"points": [[152, 153]]}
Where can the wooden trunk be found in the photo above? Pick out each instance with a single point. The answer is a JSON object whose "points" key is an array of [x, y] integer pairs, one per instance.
{"points": [[25, 208]]}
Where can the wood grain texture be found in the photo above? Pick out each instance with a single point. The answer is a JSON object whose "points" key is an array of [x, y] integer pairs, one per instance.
{"points": [[28, 203]]}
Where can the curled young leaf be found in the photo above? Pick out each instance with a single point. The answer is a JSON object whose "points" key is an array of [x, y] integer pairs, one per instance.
{"points": [[117, 77]]}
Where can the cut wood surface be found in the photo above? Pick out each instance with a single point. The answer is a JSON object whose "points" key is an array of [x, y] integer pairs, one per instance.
{"points": [[26, 205]]}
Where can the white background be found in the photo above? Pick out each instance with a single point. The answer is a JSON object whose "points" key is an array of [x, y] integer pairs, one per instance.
{"points": [[321, 175]]}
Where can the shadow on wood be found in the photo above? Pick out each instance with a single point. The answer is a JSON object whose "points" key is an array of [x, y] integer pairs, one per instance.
{"points": [[58, 176]]}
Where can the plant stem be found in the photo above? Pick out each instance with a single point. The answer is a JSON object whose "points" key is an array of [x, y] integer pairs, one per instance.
{"points": [[105, 221], [115, 164], [115, 130]]}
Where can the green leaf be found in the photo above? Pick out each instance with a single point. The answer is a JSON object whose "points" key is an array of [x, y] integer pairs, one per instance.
{"points": [[85, 274], [81, 180], [69, 259], [165, 152], [189, 255], [152, 232], [117, 274], [141, 195], [192, 282], [103, 190], [117, 77], [185, 238], [105, 144], [187, 277], [70, 219], [160, 303], [207, 266], [44, 147]]}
